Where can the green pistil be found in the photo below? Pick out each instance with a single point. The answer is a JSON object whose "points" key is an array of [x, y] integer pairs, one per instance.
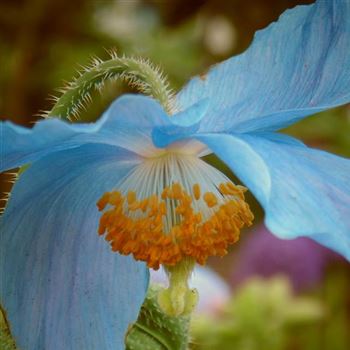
{"points": [[179, 299]]}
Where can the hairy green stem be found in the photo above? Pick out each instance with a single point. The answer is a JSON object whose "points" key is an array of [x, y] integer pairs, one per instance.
{"points": [[139, 73]]}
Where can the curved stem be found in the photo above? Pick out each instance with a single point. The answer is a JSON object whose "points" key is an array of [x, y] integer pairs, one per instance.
{"points": [[137, 72]]}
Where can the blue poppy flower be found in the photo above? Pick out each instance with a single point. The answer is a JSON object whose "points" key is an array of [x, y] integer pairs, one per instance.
{"points": [[61, 285]]}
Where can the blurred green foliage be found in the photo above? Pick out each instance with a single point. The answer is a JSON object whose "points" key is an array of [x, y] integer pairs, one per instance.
{"points": [[266, 315], [328, 130]]}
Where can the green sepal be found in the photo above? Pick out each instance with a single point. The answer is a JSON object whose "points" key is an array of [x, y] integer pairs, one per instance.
{"points": [[6, 340]]}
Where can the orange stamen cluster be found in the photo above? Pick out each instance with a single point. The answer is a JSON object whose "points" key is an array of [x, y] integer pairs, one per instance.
{"points": [[138, 226]]}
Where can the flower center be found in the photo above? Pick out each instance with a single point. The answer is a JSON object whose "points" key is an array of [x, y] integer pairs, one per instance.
{"points": [[174, 210]]}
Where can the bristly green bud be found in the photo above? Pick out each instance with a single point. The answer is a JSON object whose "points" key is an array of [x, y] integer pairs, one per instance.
{"points": [[137, 72], [155, 330]]}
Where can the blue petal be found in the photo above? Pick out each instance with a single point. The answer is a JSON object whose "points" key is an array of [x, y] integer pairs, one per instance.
{"points": [[304, 192], [20, 145], [294, 68], [179, 124], [62, 287], [130, 121], [192, 116], [127, 123]]}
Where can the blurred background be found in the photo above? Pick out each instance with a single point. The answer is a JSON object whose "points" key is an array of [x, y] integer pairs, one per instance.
{"points": [[273, 294]]}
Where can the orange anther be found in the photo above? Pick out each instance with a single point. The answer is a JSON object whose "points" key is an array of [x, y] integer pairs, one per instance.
{"points": [[165, 193], [223, 189], [162, 209], [210, 199], [177, 190], [196, 191], [134, 205], [103, 201], [115, 198], [153, 202], [131, 197], [144, 204]]}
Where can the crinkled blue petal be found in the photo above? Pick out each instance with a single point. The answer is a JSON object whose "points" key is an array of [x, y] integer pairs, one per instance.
{"points": [[62, 287], [304, 192], [127, 123], [130, 121], [186, 122], [296, 67], [20, 145], [192, 116]]}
